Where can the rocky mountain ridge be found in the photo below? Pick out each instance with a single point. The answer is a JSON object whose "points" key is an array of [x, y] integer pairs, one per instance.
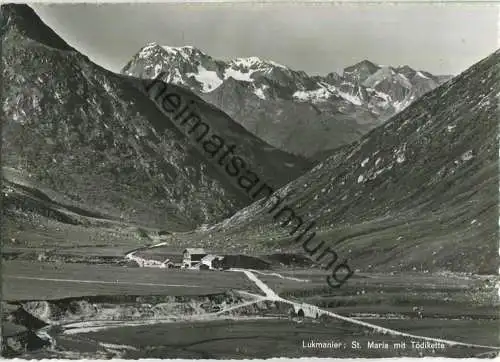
{"points": [[277, 103]]}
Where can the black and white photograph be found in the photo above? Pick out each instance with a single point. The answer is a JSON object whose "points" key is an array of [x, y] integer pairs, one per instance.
{"points": [[249, 180]]}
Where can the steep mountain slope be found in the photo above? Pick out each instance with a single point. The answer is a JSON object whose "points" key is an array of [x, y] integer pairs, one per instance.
{"points": [[93, 136], [418, 193], [277, 166], [277, 103]]}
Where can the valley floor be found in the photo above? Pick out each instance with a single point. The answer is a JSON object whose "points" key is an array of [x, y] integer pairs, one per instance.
{"points": [[78, 310], [73, 291]]}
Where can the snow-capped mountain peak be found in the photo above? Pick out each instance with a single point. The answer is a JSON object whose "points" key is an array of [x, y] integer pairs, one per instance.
{"points": [[189, 66], [246, 62], [177, 49], [255, 62], [422, 75], [366, 92], [360, 71], [149, 49], [187, 52]]}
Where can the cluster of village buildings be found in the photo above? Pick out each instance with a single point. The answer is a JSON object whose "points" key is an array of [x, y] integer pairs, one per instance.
{"points": [[192, 258], [199, 259]]}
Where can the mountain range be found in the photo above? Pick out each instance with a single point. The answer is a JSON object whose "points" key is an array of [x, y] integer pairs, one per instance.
{"points": [[95, 137], [302, 114], [418, 192]]}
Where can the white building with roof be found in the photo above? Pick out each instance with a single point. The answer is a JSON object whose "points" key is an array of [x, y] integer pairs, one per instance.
{"points": [[211, 260], [192, 256]]}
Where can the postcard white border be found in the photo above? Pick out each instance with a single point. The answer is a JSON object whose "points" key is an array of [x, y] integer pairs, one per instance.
{"points": [[282, 359]]}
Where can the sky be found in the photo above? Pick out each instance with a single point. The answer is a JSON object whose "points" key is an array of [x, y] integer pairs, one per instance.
{"points": [[316, 38]]}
